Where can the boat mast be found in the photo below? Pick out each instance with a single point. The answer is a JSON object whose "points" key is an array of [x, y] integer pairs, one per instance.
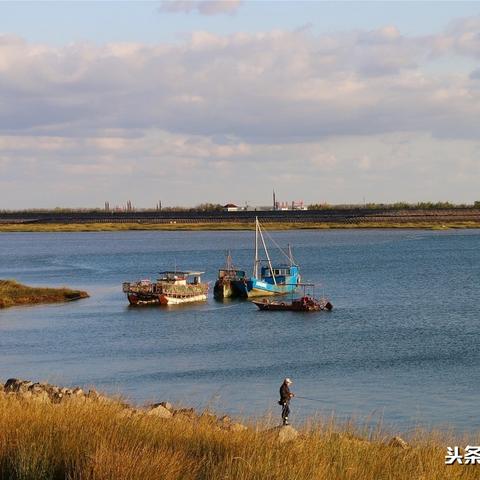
{"points": [[255, 262], [290, 257], [266, 253], [229, 265]]}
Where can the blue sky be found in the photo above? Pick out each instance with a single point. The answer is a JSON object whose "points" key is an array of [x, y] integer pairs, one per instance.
{"points": [[214, 101], [59, 23]]}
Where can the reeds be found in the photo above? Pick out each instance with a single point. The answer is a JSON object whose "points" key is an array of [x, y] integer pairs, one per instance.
{"points": [[104, 440], [114, 227], [13, 293]]}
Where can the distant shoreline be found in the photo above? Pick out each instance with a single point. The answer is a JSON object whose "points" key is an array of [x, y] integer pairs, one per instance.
{"points": [[231, 226]]}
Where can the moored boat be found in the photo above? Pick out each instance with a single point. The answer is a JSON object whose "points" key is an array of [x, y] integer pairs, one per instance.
{"points": [[302, 304], [171, 287], [226, 276], [268, 279]]}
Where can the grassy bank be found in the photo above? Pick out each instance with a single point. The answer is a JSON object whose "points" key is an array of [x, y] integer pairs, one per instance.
{"points": [[114, 227], [85, 436], [80, 439], [13, 293]]}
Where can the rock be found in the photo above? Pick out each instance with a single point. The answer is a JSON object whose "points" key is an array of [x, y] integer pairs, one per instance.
{"points": [[11, 384], [128, 413], [41, 397], [284, 433], [185, 413], [36, 388], [236, 427], [78, 392], [209, 416], [160, 411], [16, 385], [166, 405], [93, 394], [225, 420], [56, 397], [398, 442]]}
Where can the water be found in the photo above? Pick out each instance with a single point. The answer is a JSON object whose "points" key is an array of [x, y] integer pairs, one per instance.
{"points": [[402, 341]]}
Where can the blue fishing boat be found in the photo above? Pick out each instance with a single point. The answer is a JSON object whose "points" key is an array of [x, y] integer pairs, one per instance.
{"points": [[268, 279]]}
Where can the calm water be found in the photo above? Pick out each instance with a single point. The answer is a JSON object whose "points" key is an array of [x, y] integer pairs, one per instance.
{"points": [[403, 340]]}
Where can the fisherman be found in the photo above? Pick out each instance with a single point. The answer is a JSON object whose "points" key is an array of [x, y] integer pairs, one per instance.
{"points": [[285, 397]]}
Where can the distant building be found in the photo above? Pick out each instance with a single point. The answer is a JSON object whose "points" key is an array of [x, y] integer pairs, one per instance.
{"points": [[230, 207], [295, 205]]}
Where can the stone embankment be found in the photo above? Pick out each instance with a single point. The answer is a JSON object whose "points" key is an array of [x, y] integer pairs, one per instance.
{"points": [[45, 392], [53, 394]]}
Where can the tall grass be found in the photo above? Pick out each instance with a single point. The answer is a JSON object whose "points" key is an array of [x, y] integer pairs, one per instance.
{"points": [[94, 440], [13, 293]]}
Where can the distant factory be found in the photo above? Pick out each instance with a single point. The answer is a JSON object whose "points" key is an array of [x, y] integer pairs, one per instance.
{"points": [[228, 207]]}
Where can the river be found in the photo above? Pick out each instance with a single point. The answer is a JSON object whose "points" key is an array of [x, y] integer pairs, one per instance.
{"points": [[402, 342]]}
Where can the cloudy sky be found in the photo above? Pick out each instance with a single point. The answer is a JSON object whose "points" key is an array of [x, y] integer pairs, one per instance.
{"points": [[195, 101]]}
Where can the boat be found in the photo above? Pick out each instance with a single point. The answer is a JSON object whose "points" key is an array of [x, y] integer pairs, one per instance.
{"points": [[223, 286], [171, 287], [302, 304], [268, 279]]}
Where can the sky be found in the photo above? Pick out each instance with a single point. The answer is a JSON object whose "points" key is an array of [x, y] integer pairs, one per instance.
{"points": [[187, 102]]}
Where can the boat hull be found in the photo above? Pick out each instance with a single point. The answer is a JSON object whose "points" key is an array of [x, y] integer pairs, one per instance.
{"points": [[164, 293], [223, 289], [295, 306], [257, 288], [135, 299], [173, 300]]}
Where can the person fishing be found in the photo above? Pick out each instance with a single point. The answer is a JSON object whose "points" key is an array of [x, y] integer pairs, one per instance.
{"points": [[285, 397]]}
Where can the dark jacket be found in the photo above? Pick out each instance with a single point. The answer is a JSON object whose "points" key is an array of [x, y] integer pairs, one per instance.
{"points": [[285, 394]]}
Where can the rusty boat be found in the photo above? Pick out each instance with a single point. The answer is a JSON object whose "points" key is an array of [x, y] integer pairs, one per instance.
{"points": [[171, 287], [224, 287], [306, 303], [302, 304]]}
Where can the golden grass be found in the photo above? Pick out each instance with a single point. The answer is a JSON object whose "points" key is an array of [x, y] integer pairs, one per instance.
{"points": [[100, 441], [13, 293], [115, 227]]}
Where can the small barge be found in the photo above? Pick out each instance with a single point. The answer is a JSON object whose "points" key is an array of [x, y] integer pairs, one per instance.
{"points": [[169, 289], [303, 304]]}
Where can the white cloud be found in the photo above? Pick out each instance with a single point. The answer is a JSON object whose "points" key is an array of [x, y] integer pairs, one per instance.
{"points": [[268, 105], [204, 7]]}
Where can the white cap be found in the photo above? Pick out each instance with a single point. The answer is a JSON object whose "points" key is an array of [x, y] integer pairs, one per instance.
{"points": [[287, 380]]}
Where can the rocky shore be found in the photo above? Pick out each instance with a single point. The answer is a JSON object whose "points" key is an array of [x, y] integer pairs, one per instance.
{"points": [[47, 393], [52, 394], [52, 432]]}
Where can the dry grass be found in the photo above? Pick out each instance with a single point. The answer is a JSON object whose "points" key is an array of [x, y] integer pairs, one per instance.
{"points": [[13, 293], [90, 440], [115, 227]]}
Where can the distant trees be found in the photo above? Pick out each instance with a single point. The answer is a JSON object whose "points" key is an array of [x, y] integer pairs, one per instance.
{"points": [[395, 206], [208, 207]]}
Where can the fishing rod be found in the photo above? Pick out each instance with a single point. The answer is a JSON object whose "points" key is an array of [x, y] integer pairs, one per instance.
{"points": [[311, 399]]}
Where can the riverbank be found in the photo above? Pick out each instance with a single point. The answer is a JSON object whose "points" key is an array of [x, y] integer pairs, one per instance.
{"points": [[52, 432], [13, 294], [221, 226]]}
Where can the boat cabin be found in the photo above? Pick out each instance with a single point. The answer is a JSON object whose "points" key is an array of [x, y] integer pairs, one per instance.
{"points": [[180, 278], [238, 274], [283, 273]]}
